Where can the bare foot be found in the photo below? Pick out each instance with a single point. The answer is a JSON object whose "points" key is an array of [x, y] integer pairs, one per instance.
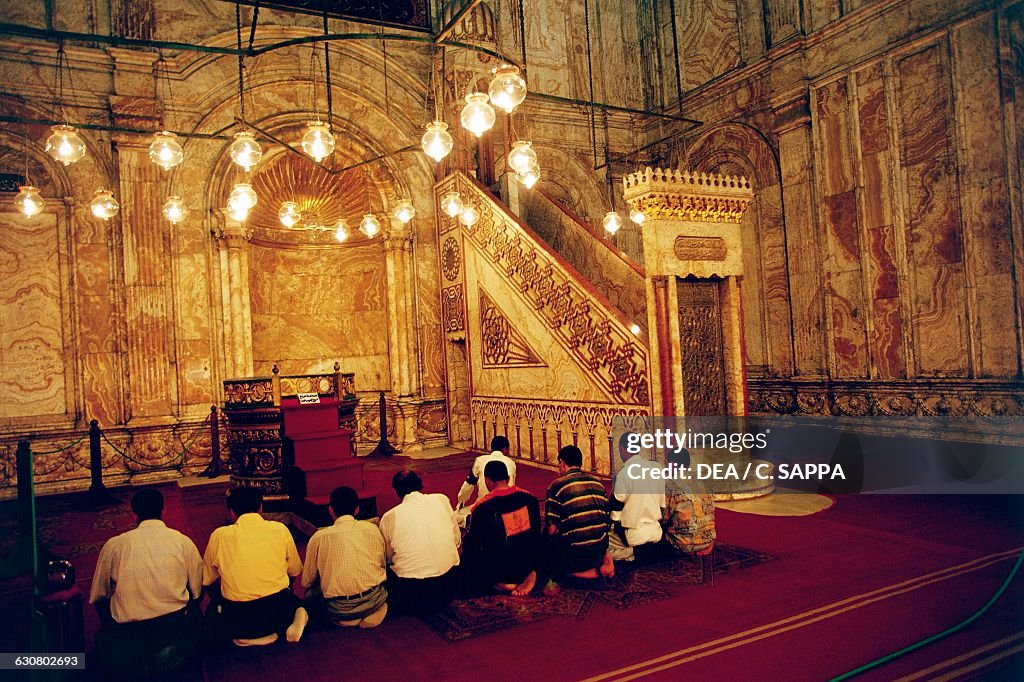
{"points": [[505, 587], [526, 586], [607, 568], [589, 574]]}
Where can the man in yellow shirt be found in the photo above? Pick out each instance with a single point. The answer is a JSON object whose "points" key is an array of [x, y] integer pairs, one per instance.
{"points": [[254, 561]]}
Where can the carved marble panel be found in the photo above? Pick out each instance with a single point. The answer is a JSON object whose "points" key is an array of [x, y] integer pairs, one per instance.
{"points": [[32, 381], [933, 237], [502, 344]]}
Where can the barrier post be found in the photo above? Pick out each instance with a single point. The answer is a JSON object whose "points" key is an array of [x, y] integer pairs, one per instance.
{"points": [[384, 448], [98, 493], [213, 470]]}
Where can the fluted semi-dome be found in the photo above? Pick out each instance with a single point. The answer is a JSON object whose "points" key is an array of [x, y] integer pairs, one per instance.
{"points": [[477, 26]]}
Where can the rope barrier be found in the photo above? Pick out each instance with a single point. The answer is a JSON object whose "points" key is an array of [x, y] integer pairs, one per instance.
{"points": [[146, 465], [66, 447]]}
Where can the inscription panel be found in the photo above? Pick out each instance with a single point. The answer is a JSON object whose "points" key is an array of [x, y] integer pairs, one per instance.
{"points": [[699, 248]]}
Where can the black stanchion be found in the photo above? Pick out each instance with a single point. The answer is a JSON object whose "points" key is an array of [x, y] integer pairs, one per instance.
{"points": [[215, 467], [98, 495], [23, 556], [384, 448]]}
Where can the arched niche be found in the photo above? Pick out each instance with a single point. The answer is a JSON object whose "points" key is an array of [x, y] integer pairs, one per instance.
{"points": [[56, 270], [740, 149]]}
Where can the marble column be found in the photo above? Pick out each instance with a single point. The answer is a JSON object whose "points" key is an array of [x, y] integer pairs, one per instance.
{"points": [[401, 316], [233, 251], [149, 295], [807, 291]]}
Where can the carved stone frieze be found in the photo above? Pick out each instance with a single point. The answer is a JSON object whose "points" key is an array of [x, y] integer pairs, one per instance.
{"points": [[699, 248], [453, 308], [503, 345], [538, 428], [887, 398], [667, 194]]}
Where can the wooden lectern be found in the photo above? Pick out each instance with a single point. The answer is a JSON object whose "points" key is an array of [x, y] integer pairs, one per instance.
{"points": [[293, 437]]}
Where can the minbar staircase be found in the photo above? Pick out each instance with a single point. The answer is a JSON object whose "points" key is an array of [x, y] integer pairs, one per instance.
{"points": [[551, 358]]}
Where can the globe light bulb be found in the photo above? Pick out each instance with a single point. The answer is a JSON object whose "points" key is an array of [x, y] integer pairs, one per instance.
{"points": [[451, 204], [634, 328], [165, 151], [370, 226], [28, 201], [404, 211], [245, 150], [469, 216], [341, 231], [103, 205], [522, 156], [65, 145], [437, 142], [238, 213], [637, 216], [507, 89], [318, 141], [477, 115], [243, 198], [612, 222], [530, 176], [289, 214], [174, 210]]}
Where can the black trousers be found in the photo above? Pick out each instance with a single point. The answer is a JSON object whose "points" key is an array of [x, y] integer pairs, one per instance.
{"points": [[146, 648], [420, 595], [268, 615]]}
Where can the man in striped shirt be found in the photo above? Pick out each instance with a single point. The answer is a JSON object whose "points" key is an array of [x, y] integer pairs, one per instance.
{"points": [[577, 520]]}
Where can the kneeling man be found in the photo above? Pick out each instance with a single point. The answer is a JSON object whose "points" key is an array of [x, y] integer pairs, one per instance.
{"points": [[254, 561], [500, 550], [146, 590], [345, 567], [422, 540]]}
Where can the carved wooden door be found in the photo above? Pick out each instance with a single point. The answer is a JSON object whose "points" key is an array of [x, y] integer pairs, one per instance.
{"points": [[700, 340]]}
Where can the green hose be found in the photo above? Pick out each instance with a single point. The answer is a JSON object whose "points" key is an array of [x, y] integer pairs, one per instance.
{"points": [[934, 638]]}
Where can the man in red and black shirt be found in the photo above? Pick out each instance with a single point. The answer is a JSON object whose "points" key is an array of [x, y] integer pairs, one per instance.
{"points": [[500, 550]]}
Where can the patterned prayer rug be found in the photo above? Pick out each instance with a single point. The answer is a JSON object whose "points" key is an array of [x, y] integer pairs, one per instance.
{"points": [[631, 586]]}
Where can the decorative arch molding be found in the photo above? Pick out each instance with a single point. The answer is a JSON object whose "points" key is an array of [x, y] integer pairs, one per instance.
{"points": [[740, 140], [78, 180], [565, 177], [190, 68], [382, 182]]}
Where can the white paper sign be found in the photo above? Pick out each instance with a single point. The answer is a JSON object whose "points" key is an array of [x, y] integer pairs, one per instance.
{"points": [[309, 399]]}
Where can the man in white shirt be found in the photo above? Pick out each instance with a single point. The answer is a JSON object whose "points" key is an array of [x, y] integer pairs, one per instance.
{"points": [[146, 590], [636, 504], [421, 539], [345, 565], [476, 480]]}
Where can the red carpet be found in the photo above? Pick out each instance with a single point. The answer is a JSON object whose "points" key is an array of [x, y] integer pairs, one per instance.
{"points": [[868, 576]]}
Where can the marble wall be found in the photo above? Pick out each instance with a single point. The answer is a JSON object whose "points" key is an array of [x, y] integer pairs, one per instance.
{"points": [[32, 324], [134, 322], [311, 306], [883, 249]]}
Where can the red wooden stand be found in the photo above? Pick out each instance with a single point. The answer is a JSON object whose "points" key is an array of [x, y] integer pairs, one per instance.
{"points": [[314, 444]]}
